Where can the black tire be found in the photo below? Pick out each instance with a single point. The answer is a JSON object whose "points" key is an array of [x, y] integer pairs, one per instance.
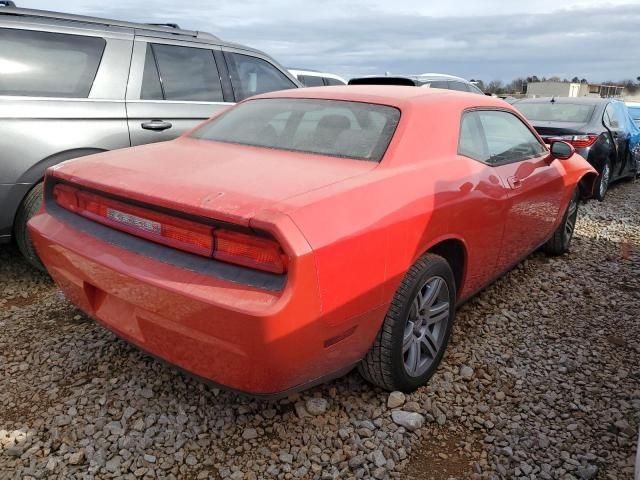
{"points": [[603, 181], [560, 241], [29, 207], [384, 364]]}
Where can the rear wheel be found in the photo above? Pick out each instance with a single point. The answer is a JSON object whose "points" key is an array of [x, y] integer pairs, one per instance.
{"points": [[29, 207], [416, 330], [561, 239], [602, 184]]}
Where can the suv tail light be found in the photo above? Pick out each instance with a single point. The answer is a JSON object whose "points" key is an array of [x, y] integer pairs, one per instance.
{"points": [[243, 249], [578, 141]]}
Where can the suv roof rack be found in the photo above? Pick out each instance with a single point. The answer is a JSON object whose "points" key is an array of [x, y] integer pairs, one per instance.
{"points": [[172, 28], [172, 25]]}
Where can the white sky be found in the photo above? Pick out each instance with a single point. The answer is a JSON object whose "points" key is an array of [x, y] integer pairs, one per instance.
{"points": [[486, 39]]}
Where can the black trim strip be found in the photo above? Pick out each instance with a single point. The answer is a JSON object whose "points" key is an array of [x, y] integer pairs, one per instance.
{"points": [[188, 261]]}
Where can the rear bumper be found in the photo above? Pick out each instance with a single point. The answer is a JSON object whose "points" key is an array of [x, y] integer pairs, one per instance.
{"points": [[248, 339]]}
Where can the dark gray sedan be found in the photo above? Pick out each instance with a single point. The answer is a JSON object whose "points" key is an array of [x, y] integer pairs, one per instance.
{"points": [[600, 129]]}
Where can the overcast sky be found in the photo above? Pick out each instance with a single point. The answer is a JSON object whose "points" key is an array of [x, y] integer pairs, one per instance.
{"points": [[486, 39]]}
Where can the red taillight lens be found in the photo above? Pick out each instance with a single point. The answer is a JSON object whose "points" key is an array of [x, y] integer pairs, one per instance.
{"points": [[65, 196], [187, 235], [175, 232], [250, 251], [578, 141]]}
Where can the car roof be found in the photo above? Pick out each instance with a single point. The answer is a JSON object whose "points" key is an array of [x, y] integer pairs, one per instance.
{"points": [[166, 30], [393, 95]]}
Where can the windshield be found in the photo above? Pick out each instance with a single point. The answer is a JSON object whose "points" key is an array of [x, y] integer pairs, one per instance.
{"points": [[556, 112], [635, 114], [328, 127]]}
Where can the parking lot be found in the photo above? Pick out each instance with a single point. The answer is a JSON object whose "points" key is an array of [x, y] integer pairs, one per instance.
{"points": [[540, 381]]}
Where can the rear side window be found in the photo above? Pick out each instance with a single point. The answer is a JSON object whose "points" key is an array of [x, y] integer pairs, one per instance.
{"points": [[459, 86], [180, 73], [252, 76], [333, 81], [328, 127], [45, 64], [311, 81], [612, 118], [496, 137]]}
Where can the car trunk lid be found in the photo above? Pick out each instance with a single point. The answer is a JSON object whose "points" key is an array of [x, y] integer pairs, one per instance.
{"points": [[212, 179]]}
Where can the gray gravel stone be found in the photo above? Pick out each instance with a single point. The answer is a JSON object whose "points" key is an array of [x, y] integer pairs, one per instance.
{"points": [[395, 399], [316, 406], [553, 393], [409, 420]]}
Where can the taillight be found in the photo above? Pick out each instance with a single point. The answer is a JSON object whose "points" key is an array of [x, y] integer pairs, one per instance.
{"points": [[190, 236], [65, 196], [578, 141], [250, 251]]}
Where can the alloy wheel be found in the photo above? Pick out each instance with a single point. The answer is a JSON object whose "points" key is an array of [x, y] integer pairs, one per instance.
{"points": [[426, 326]]}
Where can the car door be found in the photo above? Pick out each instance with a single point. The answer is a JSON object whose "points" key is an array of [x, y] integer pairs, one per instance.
{"points": [[535, 183], [614, 122], [173, 86]]}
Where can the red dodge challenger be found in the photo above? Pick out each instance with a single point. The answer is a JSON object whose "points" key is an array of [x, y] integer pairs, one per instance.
{"points": [[304, 232]]}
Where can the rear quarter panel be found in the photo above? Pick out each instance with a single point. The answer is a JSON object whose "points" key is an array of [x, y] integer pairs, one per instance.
{"points": [[365, 239]]}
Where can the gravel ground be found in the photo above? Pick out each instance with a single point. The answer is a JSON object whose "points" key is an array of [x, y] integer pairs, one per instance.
{"points": [[541, 381]]}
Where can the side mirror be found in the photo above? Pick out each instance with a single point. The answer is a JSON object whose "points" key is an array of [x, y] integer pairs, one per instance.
{"points": [[562, 150]]}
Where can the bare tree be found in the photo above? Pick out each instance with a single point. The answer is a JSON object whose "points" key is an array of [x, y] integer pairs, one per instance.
{"points": [[495, 86]]}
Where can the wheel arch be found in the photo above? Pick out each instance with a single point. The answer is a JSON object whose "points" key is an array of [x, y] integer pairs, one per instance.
{"points": [[35, 173], [586, 185], [454, 251]]}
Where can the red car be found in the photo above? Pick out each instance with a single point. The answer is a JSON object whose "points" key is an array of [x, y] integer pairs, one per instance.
{"points": [[304, 232]]}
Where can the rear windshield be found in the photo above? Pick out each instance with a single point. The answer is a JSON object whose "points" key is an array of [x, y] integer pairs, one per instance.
{"points": [[355, 130], [556, 112]]}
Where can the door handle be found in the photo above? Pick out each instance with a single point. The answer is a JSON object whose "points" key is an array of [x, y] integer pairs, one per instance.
{"points": [[156, 125], [514, 182]]}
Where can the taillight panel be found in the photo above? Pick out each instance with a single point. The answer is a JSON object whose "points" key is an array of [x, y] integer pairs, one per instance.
{"points": [[245, 249], [578, 141]]}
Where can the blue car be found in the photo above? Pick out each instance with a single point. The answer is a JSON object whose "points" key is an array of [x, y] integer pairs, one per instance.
{"points": [[634, 110]]}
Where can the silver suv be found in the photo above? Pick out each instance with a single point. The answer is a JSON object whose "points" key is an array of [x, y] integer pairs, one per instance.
{"points": [[73, 85]]}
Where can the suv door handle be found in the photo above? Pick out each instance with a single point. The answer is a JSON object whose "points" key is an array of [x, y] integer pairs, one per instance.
{"points": [[514, 182], [156, 125]]}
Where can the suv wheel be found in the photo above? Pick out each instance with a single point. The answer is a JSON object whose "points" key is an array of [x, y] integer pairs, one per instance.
{"points": [[416, 330], [29, 207]]}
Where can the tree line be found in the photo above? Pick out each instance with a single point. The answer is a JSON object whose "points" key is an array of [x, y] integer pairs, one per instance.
{"points": [[519, 85]]}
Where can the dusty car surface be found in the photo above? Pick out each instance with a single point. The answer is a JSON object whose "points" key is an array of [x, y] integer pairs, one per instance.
{"points": [[302, 233], [73, 85]]}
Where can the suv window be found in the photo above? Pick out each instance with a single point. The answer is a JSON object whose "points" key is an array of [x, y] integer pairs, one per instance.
{"points": [[180, 73], [438, 84], [252, 76], [461, 87], [505, 138], [332, 81], [45, 64], [311, 81]]}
